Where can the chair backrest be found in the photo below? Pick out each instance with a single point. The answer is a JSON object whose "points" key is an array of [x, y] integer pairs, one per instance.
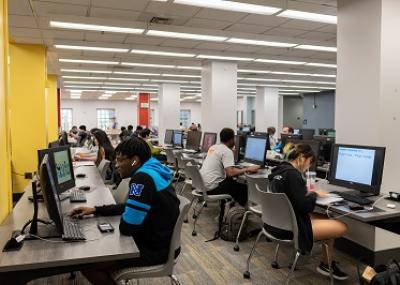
{"points": [[121, 193], [170, 156], [254, 196], [103, 167], [277, 211], [180, 160], [197, 181], [176, 235]]}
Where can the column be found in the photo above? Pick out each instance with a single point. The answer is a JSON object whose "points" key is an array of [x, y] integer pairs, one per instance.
{"points": [[27, 109], [52, 108], [267, 108], [280, 115], [5, 160], [219, 96], [143, 110], [168, 108], [367, 95]]}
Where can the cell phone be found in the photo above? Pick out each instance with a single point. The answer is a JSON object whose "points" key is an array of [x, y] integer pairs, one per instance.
{"points": [[105, 227]]}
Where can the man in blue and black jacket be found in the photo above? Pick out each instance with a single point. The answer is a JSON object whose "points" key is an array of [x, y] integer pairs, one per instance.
{"points": [[150, 213]]}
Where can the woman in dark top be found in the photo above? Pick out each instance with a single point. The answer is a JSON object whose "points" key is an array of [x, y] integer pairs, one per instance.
{"points": [[312, 227]]}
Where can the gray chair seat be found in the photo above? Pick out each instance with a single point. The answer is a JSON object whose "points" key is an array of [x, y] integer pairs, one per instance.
{"points": [[212, 198], [256, 209]]}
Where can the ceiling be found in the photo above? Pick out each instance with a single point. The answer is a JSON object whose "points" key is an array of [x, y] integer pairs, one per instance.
{"points": [[29, 23]]}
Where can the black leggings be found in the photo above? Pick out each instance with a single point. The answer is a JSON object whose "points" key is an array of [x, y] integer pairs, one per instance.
{"points": [[237, 190]]}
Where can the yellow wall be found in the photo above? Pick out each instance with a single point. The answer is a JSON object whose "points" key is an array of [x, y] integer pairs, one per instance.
{"points": [[27, 109], [5, 163], [52, 108]]}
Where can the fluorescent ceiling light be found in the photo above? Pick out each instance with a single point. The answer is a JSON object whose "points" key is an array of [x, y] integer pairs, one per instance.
{"points": [[128, 79], [298, 90], [82, 86], [90, 27], [110, 92], [259, 43], [224, 57], [303, 74], [321, 64], [231, 6], [154, 99], [187, 36], [101, 49], [116, 87], [121, 83], [318, 48], [254, 71], [106, 95], [147, 65], [81, 82], [291, 62], [188, 67], [130, 98], [137, 73], [181, 75], [86, 71], [307, 16], [87, 61], [162, 53], [84, 77], [168, 81]]}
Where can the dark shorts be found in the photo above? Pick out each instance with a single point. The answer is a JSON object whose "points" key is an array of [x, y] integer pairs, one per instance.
{"points": [[237, 190]]}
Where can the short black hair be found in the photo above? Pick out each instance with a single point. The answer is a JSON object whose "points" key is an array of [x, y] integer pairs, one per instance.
{"points": [[139, 128], [82, 127], [130, 128], [291, 130], [145, 132], [226, 135], [132, 147]]}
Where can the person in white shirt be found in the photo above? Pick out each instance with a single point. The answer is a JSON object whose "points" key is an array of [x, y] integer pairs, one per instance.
{"points": [[273, 140], [219, 169]]}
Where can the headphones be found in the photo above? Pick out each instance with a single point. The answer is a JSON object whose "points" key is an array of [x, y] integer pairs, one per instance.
{"points": [[133, 163]]}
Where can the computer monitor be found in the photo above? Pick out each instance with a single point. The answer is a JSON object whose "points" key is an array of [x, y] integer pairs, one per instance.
{"points": [[50, 195], [243, 135], [209, 139], [177, 138], [193, 140], [307, 133], [357, 167], [315, 146], [54, 144], [261, 134], [236, 151], [63, 171], [296, 131], [326, 143], [168, 139], [256, 148], [246, 129], [327, 132]]}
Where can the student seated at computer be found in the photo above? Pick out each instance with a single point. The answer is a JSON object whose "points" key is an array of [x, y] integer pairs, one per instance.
{"points": [[136, 133], [273, 140], [105, 149], [218, 169], [279, 145], [124, 135], [149, 215], [311, 227], [155, 151]]}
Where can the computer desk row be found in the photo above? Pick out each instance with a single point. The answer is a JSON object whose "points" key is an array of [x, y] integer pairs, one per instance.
{"points": [[40, 258]]}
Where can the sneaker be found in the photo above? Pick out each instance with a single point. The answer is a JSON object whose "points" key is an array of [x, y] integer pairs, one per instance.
{"points": [[338, 274]]}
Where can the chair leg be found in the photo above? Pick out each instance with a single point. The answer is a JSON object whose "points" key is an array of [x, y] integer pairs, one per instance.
{"points": [[293, 267], [326, 247], [246, 274], [236, 248], [275, 263], [187, 215], [174, 280], [194, 233]]}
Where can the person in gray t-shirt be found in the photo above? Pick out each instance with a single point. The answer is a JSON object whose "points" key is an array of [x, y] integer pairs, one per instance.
{"points": [[219, 168]]}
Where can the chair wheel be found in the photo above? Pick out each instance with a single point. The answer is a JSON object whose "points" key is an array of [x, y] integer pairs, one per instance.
{"points": [[194, 216], [275, 265], [194, 233], [246, 275], [236, 248], [186, 221], [205, 205]]}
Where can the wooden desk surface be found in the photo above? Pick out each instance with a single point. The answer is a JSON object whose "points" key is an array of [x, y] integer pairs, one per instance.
{"points": [[99, 247]]}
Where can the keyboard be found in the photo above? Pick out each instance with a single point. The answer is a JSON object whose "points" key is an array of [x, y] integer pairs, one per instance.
{"points": [[63, 196], [353, 198], [77, 196], [72, 231]]}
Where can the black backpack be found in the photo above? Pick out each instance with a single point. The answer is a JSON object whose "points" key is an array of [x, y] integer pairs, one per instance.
{"points": [[231, 222]]}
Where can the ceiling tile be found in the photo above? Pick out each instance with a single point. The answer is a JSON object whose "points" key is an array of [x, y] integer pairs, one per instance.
{"points": [[243, 48], [144, 40], [325, 56], [114, 14], [48, 8], [22, 21], [27, 40], [207, 24], [214, 14], [268, 21], [105, 37], [213, 46], [167, 10], [25, 33], [282, 32], [73, 2], [328, 29], [245, 28], [299, 53], [19, 7], [303, 25], [270, 51], [63, 34], [180, 43], [316, 36], [137, 5]]}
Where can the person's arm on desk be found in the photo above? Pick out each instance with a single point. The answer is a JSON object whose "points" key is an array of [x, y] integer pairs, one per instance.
{"points": [[233, 171]]}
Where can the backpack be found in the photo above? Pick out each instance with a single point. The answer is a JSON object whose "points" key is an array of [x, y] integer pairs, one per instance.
{"points": [[385, 274], [232, 219]]}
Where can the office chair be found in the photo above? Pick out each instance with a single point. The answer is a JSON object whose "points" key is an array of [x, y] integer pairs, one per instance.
{"points": [[182, 163], [254, 203], [277, 211], [124, 275], [121, 193], [200, 193], [103, 168]]}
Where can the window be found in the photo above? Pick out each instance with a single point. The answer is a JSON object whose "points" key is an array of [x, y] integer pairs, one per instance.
{"points": [[104, 118], [185, 118], [66, 119]]}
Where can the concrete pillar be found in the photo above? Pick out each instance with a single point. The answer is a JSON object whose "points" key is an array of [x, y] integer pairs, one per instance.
{"points": [[267, 108], [168, 108], [368, 82], [219, 97]]}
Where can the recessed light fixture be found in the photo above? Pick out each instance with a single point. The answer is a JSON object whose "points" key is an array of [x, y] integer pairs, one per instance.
{"points": [[188, 67], [85, 71], [290, 62], [231, 6], [91, 27], [137, 73], [81, 82], [89, 48], [87, 61], [317, 48], [321, 64], [128, 79], [234, 58], [83, 77], [307, 16], [181, 75], [147, 65], [187, 36], [254, 71], [161, 53], [121, 84], [259, 42], [167, 81]]}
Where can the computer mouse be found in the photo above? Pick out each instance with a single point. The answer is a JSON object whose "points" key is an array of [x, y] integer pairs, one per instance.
{"points": [[80, 175], [84, 188]]}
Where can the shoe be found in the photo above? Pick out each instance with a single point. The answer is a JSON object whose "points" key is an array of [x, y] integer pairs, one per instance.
{"points": [[338, 274]]}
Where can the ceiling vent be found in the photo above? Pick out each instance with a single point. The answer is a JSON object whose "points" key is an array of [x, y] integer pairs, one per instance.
{"points": [[160, 20]]}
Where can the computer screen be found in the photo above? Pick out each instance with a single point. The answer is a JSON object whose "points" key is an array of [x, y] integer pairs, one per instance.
{"points": [[177, 138], [168, 136], [296, 131], [209, 139], [236, 151], [307, 133], [357, 167], [256, 148], [193, 140], [315, 146], [50, 194], [63, 171], [326, 143]]}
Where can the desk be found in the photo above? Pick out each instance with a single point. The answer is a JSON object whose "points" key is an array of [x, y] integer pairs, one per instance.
{"points": [[40, 258]]}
